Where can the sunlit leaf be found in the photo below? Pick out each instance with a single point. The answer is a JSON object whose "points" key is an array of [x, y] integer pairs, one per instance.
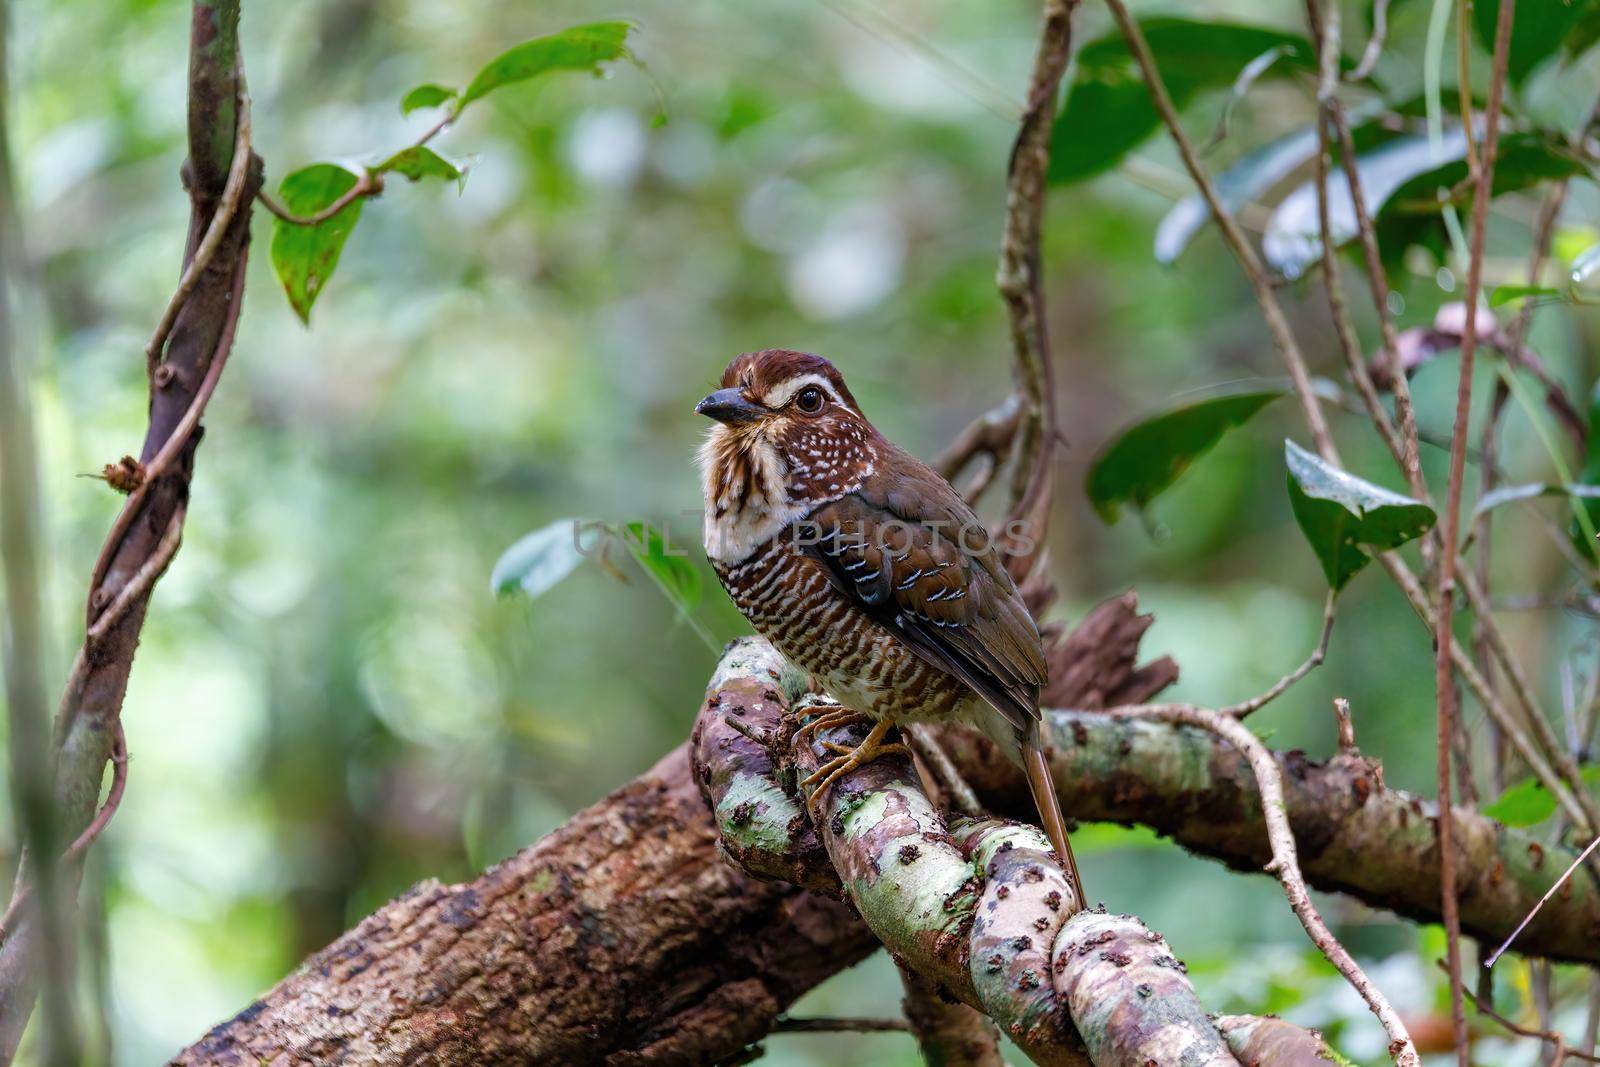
{"points": [[1402, 179], [539, 560], [577, 48], [1538, 31], [305, 257], [418, 162], [1525, 804], [1252, 175], [1344, 517], [429, 95], [1108, 110], [667, 563], [1293, 238], [1149, 456]]}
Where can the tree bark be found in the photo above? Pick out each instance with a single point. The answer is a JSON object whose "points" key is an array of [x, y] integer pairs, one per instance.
{"points": [[621, 938]]}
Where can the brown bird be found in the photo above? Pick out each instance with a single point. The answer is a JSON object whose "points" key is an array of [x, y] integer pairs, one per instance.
{"points": [[866, 569]]}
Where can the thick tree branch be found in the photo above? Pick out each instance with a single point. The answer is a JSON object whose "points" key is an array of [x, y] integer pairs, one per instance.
{"points": [[680, 956]]}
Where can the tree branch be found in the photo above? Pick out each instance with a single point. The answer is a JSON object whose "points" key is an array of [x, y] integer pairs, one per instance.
{"points": [[677, 956]]}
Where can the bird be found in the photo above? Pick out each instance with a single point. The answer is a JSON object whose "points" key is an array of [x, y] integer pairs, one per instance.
{"points": [[867, 570]]}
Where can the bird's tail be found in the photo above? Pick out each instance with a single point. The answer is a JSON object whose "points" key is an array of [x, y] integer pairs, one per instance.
{"points": [[1044, 797]]}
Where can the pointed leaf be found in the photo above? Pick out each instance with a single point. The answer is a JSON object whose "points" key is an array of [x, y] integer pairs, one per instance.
{"points": [[1343, 517], [1108, 110], [418, 162], [666, 563], [428, 95], [1149, 456], [539, 560], [577, 48], [305, 257], [1505, 294], [1247, 179]]}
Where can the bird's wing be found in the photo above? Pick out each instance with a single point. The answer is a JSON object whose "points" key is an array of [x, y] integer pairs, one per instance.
{"points": [[915, 557]]}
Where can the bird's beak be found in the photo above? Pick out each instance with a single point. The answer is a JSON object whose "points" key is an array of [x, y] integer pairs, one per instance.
{"points": [[729, 405]]}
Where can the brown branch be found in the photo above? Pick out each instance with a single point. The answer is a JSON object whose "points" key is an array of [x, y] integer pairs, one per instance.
{"points": [[1021, 284], [1562, 1052], [1444, 673], [623, 936], [1285, 862], [367, 183]]}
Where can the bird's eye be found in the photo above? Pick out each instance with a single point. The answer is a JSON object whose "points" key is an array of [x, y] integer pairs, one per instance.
{"points": [[809, 400]]}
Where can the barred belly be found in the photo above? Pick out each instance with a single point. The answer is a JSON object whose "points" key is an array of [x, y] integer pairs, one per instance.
{"points": [[788, 598]]}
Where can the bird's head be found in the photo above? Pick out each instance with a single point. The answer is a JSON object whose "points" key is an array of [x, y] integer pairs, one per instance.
{"points": [[788, 437]]}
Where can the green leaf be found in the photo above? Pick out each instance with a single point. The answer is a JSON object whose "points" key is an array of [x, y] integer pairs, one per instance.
{"points": [[1538, 30], [1505, 294], [1343, 517], [1108, 110], [539, 560], [1247, 179], [428, 95], [669, 566], [418, 162], [1525, 804], [305, 257], [1149, 456], [577, 48]]}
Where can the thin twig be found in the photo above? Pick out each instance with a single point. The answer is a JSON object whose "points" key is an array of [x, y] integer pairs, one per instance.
{"points": [[828, 1024], [1378, 286], [1327, 38], [1523, 925], [1563, 1052], [1285, 862], [1375, 43], [1312, 662], [176, 441], [1235, 238], [927, 746], [1482, 170], [367, 184], [1019, 278], [206, 251], [990, 436]]}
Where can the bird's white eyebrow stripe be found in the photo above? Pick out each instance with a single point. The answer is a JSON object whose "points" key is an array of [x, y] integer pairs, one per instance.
{"points": [[783, 392]]}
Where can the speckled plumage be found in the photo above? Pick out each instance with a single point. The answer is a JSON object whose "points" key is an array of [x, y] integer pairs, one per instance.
{"points": [[864, 567], [860, 563]]}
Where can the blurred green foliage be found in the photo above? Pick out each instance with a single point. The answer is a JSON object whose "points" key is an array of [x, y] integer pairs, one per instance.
{"points": [[328, 707]]}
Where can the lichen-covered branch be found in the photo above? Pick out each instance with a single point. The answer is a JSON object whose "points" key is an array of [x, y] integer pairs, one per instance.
{"points": [[979, 907], [678, 955]]}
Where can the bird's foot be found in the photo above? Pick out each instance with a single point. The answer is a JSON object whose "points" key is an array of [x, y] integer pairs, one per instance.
{"points": [[868, 751], [829, 720]]}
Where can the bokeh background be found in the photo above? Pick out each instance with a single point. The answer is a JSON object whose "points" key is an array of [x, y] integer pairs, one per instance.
{"points": [[329, 705]]}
